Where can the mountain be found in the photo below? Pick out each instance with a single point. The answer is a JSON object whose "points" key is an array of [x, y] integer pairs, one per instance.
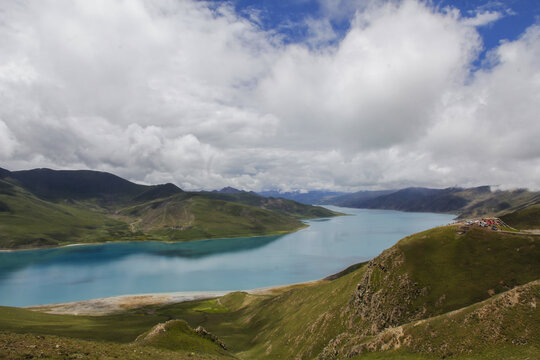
{"points": [[417, 199], [75, 184], [4, 173], [355, 199], [437, 294], [229, 190], [310, 197], [44, 207], [157, 192]]}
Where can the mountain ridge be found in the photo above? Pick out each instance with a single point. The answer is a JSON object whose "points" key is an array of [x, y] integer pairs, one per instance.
{"points": [[464, 202]]}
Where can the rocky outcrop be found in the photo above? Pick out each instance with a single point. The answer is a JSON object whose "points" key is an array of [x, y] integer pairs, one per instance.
{"points": [[509, 318], [156, 330], [207, 335], [161, 329], [386, 295]]}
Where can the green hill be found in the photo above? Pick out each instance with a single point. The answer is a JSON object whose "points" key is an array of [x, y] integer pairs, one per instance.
{"points": [[527, 218], [43, 207], [435, 294], [190, 216], [28, 221], [283, 206]]}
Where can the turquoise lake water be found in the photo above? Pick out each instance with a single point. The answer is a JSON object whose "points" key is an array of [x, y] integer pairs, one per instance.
{"points": [[92, 271]]}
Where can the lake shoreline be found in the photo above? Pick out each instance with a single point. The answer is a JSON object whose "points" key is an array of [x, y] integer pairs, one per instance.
{"points": [[278, 233], [118, 304]]}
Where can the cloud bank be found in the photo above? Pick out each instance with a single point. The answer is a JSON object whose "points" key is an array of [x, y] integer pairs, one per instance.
{"points": [[192, 93]]}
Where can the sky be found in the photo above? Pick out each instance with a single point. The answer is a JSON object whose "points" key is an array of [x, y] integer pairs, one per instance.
{"points": [[340, 95]]}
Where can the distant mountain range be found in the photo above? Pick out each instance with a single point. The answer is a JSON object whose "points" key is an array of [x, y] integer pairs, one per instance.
{"points": [[44, 207], [466, 202], [309, 197]]}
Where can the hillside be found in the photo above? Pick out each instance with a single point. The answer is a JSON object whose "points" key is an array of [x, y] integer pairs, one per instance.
{"points": [[434, 294], [43, 208], [527, 218], [192, 216], [74, 184], [284, 206], [27, 221]]}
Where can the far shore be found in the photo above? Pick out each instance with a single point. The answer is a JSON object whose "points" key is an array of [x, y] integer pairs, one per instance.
{"points": [[276, 233], [117, 304]]}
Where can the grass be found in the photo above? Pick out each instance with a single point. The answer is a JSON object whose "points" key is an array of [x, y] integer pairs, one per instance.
{"points": [[494, 353], [466, 268], [282, 206], [30, 346], [180, 219], [212, 306], [122, 328], [32, 222], [501, 327], [177, 335], [528, 218]]}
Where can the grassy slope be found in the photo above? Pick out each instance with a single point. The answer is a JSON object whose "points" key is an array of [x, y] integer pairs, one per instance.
{"points": [[30, 346], [496, 203], [463, 268], [506, 326], [185, 217], [304, 322], [283, 206], [28, 221], [103, 335], [528, 218], [177, 335]]}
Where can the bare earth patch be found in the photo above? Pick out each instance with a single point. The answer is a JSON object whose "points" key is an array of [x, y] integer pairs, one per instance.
{"points": [[118, 304], [111, 305]]}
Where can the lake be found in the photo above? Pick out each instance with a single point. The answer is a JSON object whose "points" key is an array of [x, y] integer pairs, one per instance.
{"points": [[327, 246]]}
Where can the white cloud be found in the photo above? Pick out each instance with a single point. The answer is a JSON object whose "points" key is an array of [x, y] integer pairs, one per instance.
{"points": [[379, 86], [8, 142], [483, 18], [176, 91]]}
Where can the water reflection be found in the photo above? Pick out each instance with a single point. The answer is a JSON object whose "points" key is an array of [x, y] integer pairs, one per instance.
{"points": [[104, 253], [205, 248]]}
